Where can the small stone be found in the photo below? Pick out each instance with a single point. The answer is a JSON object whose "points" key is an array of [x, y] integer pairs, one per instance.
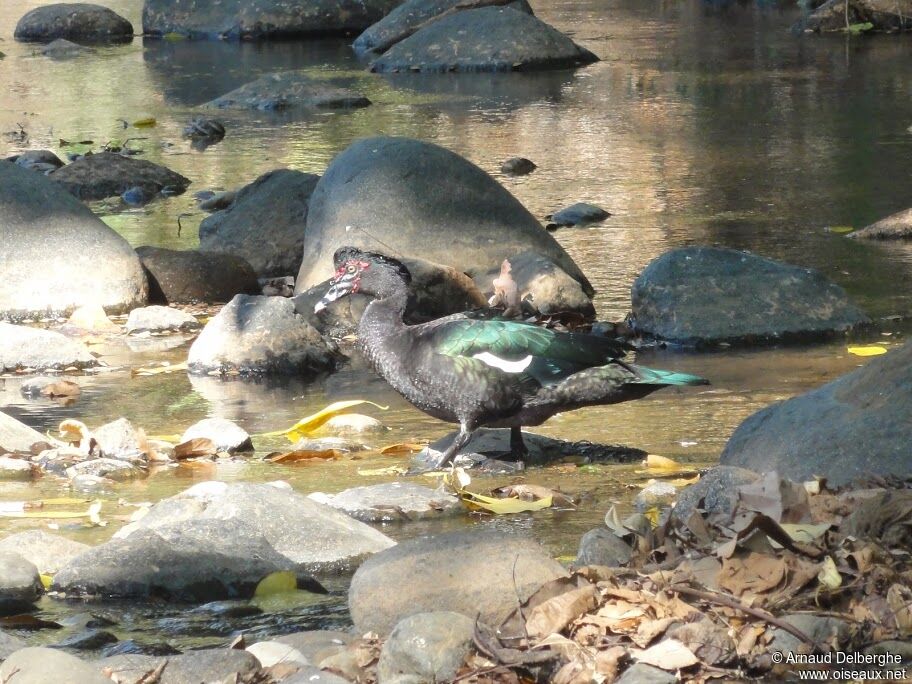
{"points": [[18, 577], [48, 552], [160, 319], [271, 653], [579, 214], [89, 640], [119, 439], [110, 468], [15, 468], [430, 647], [656, 493], [137, 196], [600, 546], [23, 347], [352, 424], [226, 435], [640, 673], [518, 166], [392, 502]]}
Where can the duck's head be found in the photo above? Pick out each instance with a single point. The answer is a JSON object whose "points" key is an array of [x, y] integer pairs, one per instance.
{"points": [[369, 273]]}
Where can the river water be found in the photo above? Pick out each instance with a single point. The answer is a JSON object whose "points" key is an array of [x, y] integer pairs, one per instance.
{"points": [[703, 123]]}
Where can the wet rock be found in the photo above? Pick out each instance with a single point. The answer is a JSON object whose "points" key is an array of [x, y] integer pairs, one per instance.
{"points": [[90, 318], [226, 436], [288, 90], [119, 439], [707, 295], [9, 644], [64, 49], [137, 196], [657, 493], [14, 469], [36, 349], [600, 546], [207, 665], [90, 483], [717, 489], [109, 468], [320, 538], [190, 276], [18, 577], [495, 442], [317, 645], [48, 552], [160, 319], [44, 665], [427, 647], [579, 214], [884, 15], [261, 335], [352, 424], [471, 573], [234, 19], [90, 263], [484, 39], [856, 425], [56, 461], [78, 21], [229, 609], [132, 647], [423, 202], [896, 226], [89, 640], [640, 673], [518, 166], [215, 201], [205, 131], [406, 19], [391, 502], [16, 436], [108, 174], [265, 223], [271, 653], [39, 160]]}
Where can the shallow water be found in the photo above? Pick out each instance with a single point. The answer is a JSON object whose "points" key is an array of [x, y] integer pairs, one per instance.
{"points": [[702, 124]]}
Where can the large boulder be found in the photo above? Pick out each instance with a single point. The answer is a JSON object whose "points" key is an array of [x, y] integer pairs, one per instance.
{"points": [[896, 226], [81, 22], [417, 200], [261, 335], [265, 223], [883, 15], [24, 347], [190, 276], [265, 19], [64, 256], [16, 436], [856, 425], [406, 19], [44, 665], [484, 39], [288, 90], [108, 174], [477, 574], [708, 295]]}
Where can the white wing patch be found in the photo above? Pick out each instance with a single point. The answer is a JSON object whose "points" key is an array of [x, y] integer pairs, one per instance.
{"points": [[504, 364]]}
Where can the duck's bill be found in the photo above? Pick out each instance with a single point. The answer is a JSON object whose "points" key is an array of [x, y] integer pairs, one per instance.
{"points": [[335, 291]]}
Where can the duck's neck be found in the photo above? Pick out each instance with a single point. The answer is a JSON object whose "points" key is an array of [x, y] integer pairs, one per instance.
{"points": [[381, 331]]}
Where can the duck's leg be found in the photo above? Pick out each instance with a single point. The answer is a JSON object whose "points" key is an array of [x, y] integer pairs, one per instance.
{"points": [[518, 448], [462, 438]]}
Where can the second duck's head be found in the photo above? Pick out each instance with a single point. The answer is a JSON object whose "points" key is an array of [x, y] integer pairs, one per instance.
{"points": [[369, 273]]}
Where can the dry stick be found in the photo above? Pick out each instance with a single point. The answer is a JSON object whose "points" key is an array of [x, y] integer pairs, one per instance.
{"points": [[723, 600]]}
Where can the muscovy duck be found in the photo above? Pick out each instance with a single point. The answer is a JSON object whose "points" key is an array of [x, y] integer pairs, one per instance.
{"points": [[481, 371]]}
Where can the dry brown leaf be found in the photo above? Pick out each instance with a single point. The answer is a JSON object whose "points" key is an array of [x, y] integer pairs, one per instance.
{"points": [[620, 617], [709, 642], [669, 654], [61, 388], [754, 573], [556, 613], [402, 449], [781, 500], [649, 630], [900, 600], [533, 492], [198, 446], [305, 455], [608, 662], [574, 672], [747, 639]]}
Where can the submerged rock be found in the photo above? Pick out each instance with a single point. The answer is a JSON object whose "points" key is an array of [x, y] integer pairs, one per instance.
{"points": [[427, 647], [288, 90], [160, 319], [392, 502], [518, 166], [63, 49], [484, 39], [477, 574], [89, 262], [190, 276], [36, 349], [108, 468], [884, 15], [261, 335], [43, 665], [234, 19], [108, 174], [419, 201], [851, 427], [76, 21], [896, 226], [264, 224], [39, 160], [225, 435], [48, 552], [579, 214], [707, 295]]}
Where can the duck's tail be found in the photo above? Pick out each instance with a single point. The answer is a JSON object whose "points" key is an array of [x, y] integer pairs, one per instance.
{"points": [[653, 376]]}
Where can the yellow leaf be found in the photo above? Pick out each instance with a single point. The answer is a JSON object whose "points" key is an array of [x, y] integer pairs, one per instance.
{"points": [[829, 576], [307, 425], [402, 449], [46, 581], [805, 533], [654, 462], [305, 455], [146, 122], [652, 515], [503, 506], [276, 583], [867, 350]]}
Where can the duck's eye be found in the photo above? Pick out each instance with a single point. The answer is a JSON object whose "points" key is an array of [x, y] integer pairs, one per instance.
{"points": [[351, 269]]}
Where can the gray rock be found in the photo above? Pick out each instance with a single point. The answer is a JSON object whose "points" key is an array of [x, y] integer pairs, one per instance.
{"points": [[717, 488], [14, 469], [216, 201], [265, 223], [484, 39], [9, 644], [57, 460], [89, 262], [518, 166], [119, 439], [471, 573], [226, 436], [821, 629], [407, 18], [317, 645], [312, 675], [658, 493], [640, 673], [234, 19], [39, 159], [108, 174], [45, 665], [16, 436], [87, 640], [896, 226], [271, 653], [428, 646], [190, 276], [351, 424], [851, 427], [18, 577], [78, 21], [308, 533], [109, 468], [884, 15], [25, 347], [579, 214], [600, 546], [48, 552], [708, 295], [160, 319], [193, 667], [261, 335], [288, 90], [392, 501], [423, 202], [63, 49]]}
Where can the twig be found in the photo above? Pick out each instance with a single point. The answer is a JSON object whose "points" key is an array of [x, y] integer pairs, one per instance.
{"points": [[730, 602], [519, 602], [153, 676]]}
